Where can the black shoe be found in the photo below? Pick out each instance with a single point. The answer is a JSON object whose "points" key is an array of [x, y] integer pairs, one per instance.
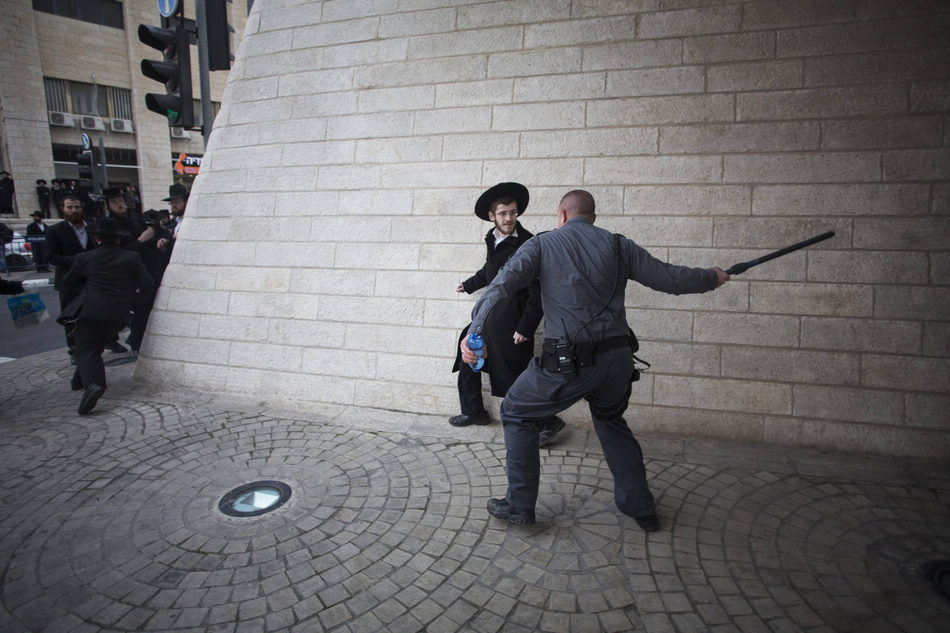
{"points": [[75, 383], [500, 509], [116, 347], [464, 420], [552, 427], [649, 523], [90, 397]]}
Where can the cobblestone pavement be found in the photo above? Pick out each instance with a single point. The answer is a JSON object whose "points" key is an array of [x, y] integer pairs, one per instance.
{"points": [[109, 522]]}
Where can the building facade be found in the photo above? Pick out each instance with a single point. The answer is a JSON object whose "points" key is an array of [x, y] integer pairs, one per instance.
{"points": [[73, 68], [332, 219]]}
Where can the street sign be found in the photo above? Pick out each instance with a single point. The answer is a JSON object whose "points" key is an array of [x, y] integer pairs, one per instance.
{"points": [[167, 8], [86, 142]]}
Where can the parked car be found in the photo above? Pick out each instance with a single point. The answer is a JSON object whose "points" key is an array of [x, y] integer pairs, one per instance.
{"points": [[16, 254]]}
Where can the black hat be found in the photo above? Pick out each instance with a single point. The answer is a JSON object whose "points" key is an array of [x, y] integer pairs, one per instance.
{"points": [[176, 191], [106, 227], [36, 213], [502, 190], [41, 182], [150, 218], [4, 172], [111, 192]]}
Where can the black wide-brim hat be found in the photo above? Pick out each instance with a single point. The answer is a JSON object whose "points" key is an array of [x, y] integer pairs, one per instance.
{"points": [[502, 190], [176, 191], [106, 227], [111, 192]]}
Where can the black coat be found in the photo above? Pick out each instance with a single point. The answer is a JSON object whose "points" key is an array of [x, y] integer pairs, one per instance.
{"points": [[111, 274], [522, 314], [62, 246]]}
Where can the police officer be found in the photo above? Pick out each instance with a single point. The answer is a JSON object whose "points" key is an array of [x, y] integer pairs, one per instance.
{"points": [[587, 352]]}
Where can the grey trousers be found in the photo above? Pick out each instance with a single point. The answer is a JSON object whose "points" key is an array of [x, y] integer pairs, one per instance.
{"points": [[539, 394]]}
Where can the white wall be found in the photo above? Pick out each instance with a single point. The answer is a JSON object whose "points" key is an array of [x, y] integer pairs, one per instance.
{"points": [[333, 218]]}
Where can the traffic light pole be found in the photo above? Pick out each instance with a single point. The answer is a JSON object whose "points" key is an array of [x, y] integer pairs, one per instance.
{"points": [[204, 74]]}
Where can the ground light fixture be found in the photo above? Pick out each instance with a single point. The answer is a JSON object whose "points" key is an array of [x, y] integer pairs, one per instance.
{"points": [[255, 499]]}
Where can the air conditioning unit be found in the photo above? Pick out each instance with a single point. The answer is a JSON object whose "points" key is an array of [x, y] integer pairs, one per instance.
{"points": [[122, 125], [179, 132], [61, 118], [92, 123]]}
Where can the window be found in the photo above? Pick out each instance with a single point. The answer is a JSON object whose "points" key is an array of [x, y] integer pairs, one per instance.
{"points": [[104, 12], [89, 99], [55, 95], [121, 103]]}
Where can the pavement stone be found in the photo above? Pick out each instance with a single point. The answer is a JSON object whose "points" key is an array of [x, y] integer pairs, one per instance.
{"points": [[110, 522]]}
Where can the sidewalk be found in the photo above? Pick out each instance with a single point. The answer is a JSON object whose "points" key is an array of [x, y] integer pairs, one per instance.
{"points": [[110, 522]]}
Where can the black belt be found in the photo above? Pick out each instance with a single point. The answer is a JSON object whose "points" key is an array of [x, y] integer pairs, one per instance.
{"points": [[582, 354]]}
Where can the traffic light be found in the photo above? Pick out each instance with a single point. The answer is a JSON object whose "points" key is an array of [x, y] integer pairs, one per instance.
{"points": [[174, 71], [85, 165], [219, 35]]}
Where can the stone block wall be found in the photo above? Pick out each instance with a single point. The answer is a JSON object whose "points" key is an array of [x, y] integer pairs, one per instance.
{"points": [[332, 219]]}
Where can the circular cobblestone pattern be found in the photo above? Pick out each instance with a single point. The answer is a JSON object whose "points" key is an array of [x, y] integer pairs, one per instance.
{"points": [[110, 522]]}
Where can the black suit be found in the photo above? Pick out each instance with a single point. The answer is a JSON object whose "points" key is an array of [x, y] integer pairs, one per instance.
{"points": [[62, 246], [111, 275], [522, 314], [35, 229]]}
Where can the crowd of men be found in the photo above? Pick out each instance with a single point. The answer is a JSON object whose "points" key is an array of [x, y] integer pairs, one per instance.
{"points": [[108, 260]]}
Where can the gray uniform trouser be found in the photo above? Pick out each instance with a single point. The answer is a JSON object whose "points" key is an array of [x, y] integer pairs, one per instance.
{"points": [[538, 394]]}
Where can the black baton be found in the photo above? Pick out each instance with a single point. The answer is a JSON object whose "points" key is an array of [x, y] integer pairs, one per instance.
{"points": [[738, 269]]}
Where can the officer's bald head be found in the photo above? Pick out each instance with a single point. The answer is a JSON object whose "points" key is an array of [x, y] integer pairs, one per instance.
{"points": [[577, 203]]}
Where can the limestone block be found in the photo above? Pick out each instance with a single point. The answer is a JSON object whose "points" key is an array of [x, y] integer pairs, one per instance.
{"points": [[328, 281], [685, 359], [419, 72], [841, 199], [380, 394], [899, 66], [348, 229], [728, 47], [360, 53], [827, 368], [863, 267], [626, 54], [660, 110], [392, 339], [453, 120], [747, 329], [755, 75], [259, 304], [931, 303], [775, 14], [512, 12], [919, 164], [228, 328], [429, 285], [534, 116], [489, 145], [346, 363], [698, 21], [928, 411], [822, 102], [408, 368], [936, 340], [653, 170], [650, 231], [254, 279], [308, 387], [598, 142], [549, 171], [198, 301], [575, 32], [702, 139], [374, 202], [693, 200], [481, 41], [543, 62], [743, 396], [905, 233], [906, 372], [265, 356], [812, 299], [847, 404], [920, 131], [474, 93], [447, 314], [417, 23], [798, 167], [395, 311], [659, 325], [398, 150], [304, 332], [865, 335]]}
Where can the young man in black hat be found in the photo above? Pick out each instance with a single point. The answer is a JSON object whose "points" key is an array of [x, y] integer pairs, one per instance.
{"points": [[111, 275], [44, 195], [177, 199], [37, 229], [512, 333], [128, 223]]}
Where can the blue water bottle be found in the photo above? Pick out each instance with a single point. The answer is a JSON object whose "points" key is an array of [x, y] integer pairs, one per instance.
{"points": [[475, 344]]}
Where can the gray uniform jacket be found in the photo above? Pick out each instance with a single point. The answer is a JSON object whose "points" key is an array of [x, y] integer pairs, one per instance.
{"points": [[577, 267]]}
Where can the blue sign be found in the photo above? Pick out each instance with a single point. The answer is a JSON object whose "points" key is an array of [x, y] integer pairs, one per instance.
{"points": [[86, 142], [167, 8]]}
